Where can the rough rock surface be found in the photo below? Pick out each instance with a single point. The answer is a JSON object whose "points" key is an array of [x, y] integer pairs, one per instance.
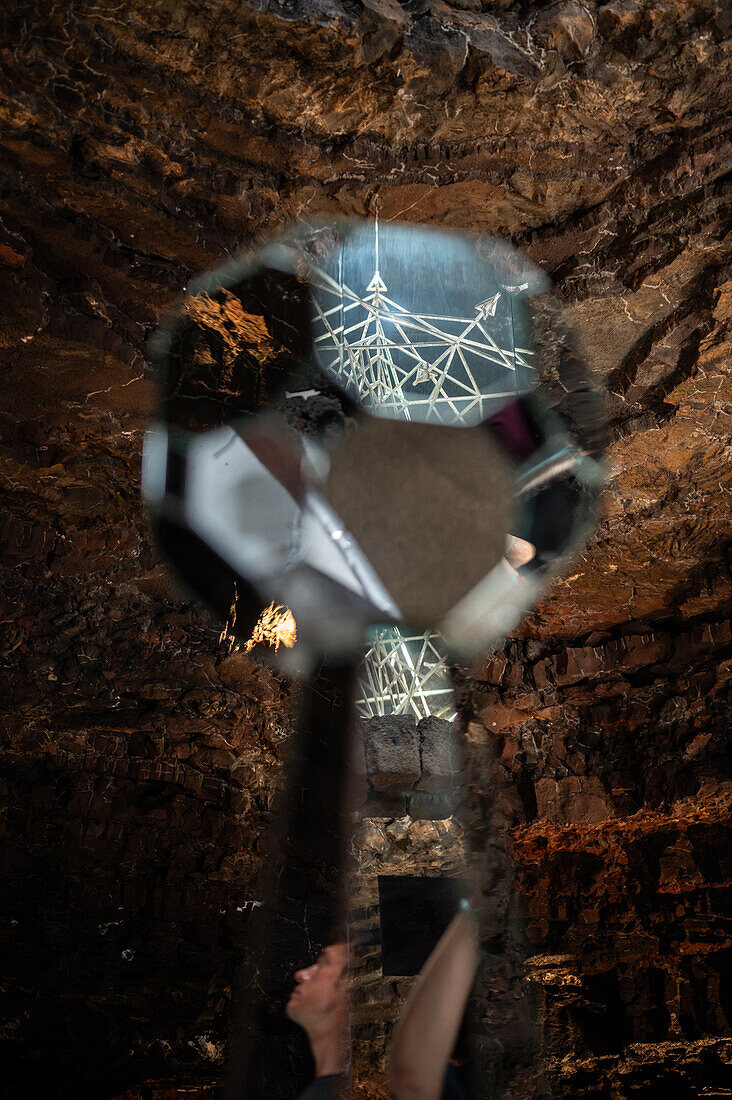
{"points": [[404, 766], [391, 750], [140, 144], [439, 756]]}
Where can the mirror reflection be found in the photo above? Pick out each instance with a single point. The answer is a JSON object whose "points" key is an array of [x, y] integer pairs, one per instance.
{"points": [[339, 404]]}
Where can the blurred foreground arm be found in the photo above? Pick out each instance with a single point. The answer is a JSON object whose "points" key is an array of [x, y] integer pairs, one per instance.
{"points": [[426, 1033]]}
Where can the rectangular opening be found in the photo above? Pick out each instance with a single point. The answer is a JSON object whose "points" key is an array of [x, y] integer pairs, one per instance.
{"points": [[414, 911]]}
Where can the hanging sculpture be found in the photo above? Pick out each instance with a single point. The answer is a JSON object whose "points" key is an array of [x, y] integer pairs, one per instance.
{"points": [[401, 673]]}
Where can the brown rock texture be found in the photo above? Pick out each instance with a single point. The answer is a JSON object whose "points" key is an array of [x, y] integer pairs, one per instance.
{"points": [[140, 144]]}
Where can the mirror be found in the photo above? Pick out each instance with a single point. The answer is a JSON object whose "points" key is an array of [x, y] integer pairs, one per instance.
{"points": [[355, 419]]}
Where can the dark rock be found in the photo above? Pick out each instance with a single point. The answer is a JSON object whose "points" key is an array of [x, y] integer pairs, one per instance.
{"points": [[567, 26], [391, 745], [431, 806], [439, 755], [431, 58]]}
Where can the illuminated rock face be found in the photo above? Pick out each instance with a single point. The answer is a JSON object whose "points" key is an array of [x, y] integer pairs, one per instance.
{"points": [[138, 755]]}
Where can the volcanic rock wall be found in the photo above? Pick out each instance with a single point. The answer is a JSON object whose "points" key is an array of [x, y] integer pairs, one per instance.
{"points": [[141, 143]]}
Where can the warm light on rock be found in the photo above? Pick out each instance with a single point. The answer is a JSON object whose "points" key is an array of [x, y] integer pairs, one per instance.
{"points": [[275, 627]]}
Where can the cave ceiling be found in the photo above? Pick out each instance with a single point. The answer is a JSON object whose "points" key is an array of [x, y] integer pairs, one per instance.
{"points": [[142, 143]]}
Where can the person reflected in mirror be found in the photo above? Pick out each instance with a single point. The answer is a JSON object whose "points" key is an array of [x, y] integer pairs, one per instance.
{"points": [[319, 1004], [419, 1054]]}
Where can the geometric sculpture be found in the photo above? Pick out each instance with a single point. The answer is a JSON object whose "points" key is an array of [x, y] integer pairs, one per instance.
{"points": [[404, 674], [410, 341]]}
